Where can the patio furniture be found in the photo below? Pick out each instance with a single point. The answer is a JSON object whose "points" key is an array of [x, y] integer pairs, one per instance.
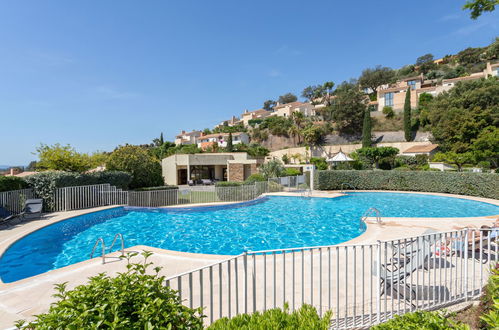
{"points": [[206, 182], [190, 182], [394, 273], [32, 209]]}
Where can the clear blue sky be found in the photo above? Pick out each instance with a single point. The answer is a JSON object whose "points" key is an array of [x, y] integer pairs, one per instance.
{"points": [[96, 74]]}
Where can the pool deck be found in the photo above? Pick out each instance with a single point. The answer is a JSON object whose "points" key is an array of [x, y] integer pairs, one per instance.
{"points": [[25, 298]]}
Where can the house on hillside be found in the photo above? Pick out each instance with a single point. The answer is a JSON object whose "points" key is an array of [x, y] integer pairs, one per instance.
{"points": [[187, 137], [234, 121], [285, 110], [256, 114], [394, 95], [230, 166], [428, 149], [220, 139]]}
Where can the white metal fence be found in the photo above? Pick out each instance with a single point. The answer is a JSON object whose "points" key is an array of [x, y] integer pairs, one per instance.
{"points": [[418, 273], [67, 198], [81, 197]]}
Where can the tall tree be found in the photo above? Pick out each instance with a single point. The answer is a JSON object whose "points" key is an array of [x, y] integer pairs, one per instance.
{"points": [[478, 7], [269, 105], [375, 77], [425, 63], [230, 146], [287, 98], [311, 92], [347, 107], [407, 116], [366, 129]]}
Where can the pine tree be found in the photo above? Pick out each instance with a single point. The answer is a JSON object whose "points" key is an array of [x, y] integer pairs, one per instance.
{"points": [[407, 116], [366, 128], [230, 147]]}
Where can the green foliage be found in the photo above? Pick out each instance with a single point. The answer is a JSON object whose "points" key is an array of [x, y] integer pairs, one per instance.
{"points": [[319, 162], [460, 183], [255, 177], [287, 98], [314, 135], [66, 158], [285, 159], [388, 112], [420, 320], [407, 116], [229, 129], [162, 150], [229, 183], [132, 300], [425, 63], [291, 172], [302, 319], [254, 122], [406, 71], [276, 125], [478, 7], [348, 107], [461, 114], [269, 105], [45, 183], [490, 301], [272, 169], [458, 159], [254, 149], [417, 162], [375, 77], [486, 146], [374, 155], [366, 129], [8, 183], [145, 169], [230, 145], [312, 92]]}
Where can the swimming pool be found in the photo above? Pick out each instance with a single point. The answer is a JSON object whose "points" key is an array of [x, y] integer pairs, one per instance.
{"points": [[268, 223]]}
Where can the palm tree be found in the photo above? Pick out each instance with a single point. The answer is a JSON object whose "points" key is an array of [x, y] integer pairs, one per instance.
{"points": [[294, 131]]}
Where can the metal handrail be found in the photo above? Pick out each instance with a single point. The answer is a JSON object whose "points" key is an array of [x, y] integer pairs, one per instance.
{"points": [[369, 212], [122, 243], [346, 184], [103, 249], [101, 240]]}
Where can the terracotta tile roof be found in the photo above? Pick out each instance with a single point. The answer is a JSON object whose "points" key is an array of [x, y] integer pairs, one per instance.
{"points": [[290, 104], [256, 112], [421, 149], [215, 135], [393, 89], [472, 77]]}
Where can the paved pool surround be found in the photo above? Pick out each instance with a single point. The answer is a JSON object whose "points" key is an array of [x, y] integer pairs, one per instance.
{"points": [[24, 298]]}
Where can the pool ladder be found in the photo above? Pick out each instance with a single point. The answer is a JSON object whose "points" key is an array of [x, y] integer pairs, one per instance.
{"points": [[103, 244], [369, 212], [348, 185]]}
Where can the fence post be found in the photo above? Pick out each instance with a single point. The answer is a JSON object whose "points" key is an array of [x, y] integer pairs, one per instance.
{"points": [[245, 256], [466, 264], [65, 198], [378, 295]]}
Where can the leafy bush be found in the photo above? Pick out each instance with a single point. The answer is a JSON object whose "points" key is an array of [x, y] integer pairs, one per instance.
{"points": [[272, 169], [255, 177], [11, 183], [388, 112], [45, 183], [131, 300], [461, 183], [157, 188], [291, 172], [229, 184], [490, 301], [319, 162], [304, 318], [144, 168], [420, 320]]}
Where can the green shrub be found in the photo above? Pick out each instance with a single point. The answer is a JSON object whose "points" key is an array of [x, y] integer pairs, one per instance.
{"points": [[131, 300], [8, 183], [291, 172], [157, 188], [490, 301], [255, 177], [228, 184], [303, 319], [420, 320], [461, 183], [388, 112], [45, 183], [319, 162]]}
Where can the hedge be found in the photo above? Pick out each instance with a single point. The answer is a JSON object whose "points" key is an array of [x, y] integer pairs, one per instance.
{"points": [[69, 179], [460, 183], [8, 183], [157, 188]]}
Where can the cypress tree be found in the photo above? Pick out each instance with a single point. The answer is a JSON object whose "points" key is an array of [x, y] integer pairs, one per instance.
{"points": [[366, 128], [407, 116], [230, 147], [161, 140]]}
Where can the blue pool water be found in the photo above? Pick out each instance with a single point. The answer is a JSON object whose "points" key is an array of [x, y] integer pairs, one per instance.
{"points": [[272, 223]]}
